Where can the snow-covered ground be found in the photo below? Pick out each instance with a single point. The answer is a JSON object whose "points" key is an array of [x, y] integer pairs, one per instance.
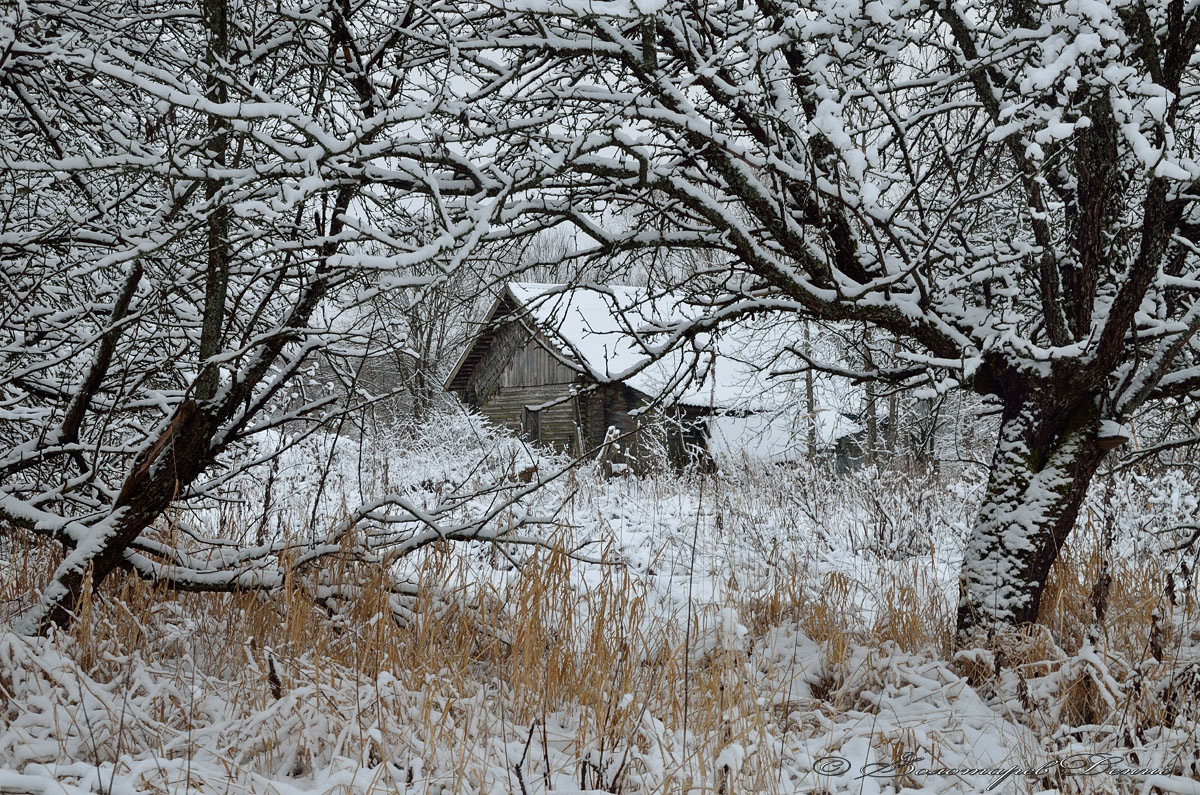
{"points": [[774, 629]]}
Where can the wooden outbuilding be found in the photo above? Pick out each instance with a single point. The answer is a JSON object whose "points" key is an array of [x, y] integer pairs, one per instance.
{"points": [[562, 365], [546, 365]]}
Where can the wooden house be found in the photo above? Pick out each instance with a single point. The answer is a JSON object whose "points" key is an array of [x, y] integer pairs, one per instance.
{"points": [[547, 364], [562, 365]]}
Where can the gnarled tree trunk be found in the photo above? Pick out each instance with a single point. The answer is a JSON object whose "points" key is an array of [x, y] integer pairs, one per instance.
{"points": [[1045, 457], [172, 463]]}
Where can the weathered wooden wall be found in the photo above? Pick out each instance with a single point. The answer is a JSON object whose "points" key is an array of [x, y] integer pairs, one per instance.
{"points": [[516, 372], [676, 432], [507, 407], [515, 358]]}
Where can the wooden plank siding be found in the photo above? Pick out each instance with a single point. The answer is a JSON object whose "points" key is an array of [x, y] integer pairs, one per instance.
{"points": [[511, 371], [517, 373], [557, 413], [676, 432], [514, 358]]}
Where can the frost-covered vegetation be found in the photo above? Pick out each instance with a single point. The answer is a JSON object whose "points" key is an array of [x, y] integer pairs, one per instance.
{"points": [[246, 544], [743, 631]]}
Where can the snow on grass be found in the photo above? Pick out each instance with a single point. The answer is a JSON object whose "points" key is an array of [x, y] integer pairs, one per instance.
{"points": [[761, 630]]}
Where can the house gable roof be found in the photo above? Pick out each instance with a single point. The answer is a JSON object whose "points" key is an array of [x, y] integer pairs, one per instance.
{"points": [[613, 333], [604, 332], [511, 305]]}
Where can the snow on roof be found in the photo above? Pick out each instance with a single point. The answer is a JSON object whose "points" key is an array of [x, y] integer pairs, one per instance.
{"points": [[617, 333]]}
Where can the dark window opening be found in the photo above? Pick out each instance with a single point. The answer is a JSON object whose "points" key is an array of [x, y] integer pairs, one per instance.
{"points": [[531, 424]]}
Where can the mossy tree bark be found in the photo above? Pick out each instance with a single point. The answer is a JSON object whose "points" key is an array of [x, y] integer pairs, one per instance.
{"points": [[1045, 457]]}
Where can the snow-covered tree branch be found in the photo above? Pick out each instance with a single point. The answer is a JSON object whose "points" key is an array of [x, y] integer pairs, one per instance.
{"points": [[1008, 188], [190, 192]]}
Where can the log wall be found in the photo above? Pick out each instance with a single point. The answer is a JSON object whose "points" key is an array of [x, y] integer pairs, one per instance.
{"points": [[517, 374]]}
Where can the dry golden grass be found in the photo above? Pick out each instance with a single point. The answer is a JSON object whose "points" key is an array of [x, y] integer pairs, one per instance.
{"points": [[547, 645], [1138, 588]]}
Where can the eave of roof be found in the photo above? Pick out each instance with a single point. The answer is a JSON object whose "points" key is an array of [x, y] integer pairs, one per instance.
{"points": [[519, 312]]}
